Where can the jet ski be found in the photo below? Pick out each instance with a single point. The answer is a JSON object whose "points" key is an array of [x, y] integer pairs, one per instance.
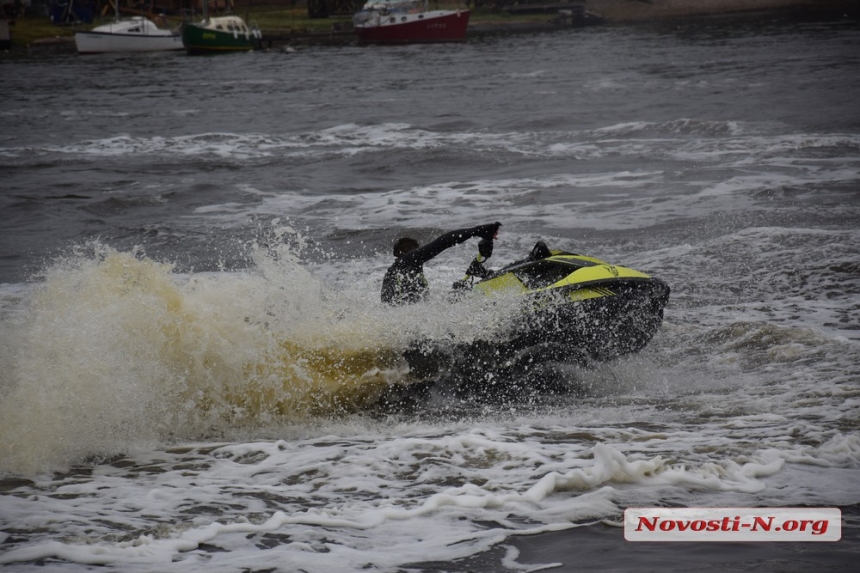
{"points": [[571, 309], [580, 304]]}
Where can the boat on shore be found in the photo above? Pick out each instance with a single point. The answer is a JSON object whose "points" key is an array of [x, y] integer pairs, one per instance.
{"points": [[135, 34], [408, 22], [219, 34]]}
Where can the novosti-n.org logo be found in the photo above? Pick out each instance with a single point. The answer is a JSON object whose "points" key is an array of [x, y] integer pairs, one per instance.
{"points": [[732, 524]]}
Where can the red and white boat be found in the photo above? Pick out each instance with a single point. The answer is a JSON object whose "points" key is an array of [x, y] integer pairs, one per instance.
{"points": [[408, 22]]}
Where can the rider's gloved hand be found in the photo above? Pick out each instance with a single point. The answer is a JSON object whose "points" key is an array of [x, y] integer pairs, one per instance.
{"points": [[485, 248], [476, 269], [488, 232]]}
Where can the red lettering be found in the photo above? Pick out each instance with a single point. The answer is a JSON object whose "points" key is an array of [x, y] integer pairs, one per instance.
{"points": [[819, 527], [649, 526], [750, 523]]}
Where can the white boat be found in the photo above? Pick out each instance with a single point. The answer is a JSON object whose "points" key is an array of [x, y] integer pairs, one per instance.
{"points": [[137, 34]]}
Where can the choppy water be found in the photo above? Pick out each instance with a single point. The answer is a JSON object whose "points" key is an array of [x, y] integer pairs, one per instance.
{"points": [[192, 250]]}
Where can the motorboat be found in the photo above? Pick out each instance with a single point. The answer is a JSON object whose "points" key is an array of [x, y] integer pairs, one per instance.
{"points": [[135, 34], [408, 22]]}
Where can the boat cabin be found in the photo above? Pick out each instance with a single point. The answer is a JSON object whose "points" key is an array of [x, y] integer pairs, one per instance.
{"points": [[231, 24]]}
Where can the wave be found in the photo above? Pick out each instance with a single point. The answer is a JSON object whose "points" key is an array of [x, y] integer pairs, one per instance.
{"points": [[681, 126], [347, 494], [681, 139], [115, 350]]}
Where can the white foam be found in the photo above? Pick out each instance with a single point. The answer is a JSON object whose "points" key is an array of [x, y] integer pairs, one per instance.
{"points": [[345, 495]]}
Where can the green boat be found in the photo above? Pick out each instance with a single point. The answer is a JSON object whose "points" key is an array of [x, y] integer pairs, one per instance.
{"points": [[222, 34]]}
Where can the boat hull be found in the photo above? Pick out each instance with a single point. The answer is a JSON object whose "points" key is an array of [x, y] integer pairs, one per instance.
{"points": [[438, 26], [201, 40], [101, 42]]}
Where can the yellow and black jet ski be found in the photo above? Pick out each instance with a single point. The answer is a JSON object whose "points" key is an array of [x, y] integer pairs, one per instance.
{"points": [[581, 306], [568, 309], [572, 309]]}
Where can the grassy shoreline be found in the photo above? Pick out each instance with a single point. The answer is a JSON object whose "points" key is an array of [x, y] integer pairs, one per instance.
{"points": [[288, 24], [32, 30]]}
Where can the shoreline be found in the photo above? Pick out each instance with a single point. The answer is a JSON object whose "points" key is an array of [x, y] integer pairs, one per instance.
{"points": [[657, 10], [599, 12], [613, 12]]}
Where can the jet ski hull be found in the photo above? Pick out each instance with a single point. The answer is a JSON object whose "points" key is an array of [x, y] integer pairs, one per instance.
{"points": [[621, 321]]}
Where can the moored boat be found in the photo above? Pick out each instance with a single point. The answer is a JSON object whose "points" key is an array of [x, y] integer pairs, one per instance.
{"points": [[408, 22], [135, 34], [221, 34]]}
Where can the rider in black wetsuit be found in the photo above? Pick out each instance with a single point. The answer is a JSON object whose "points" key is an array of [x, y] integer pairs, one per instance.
{"points": [[404, 282]]}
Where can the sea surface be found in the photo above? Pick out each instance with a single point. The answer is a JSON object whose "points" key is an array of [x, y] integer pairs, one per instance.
{"points": [[192, 342]]}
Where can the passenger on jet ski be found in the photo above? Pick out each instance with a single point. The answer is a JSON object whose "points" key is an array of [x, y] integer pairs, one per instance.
{"points": [[404, 282]]}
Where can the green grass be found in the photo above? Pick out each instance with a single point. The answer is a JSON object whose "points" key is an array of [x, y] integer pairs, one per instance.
{"points": [[271, 20], [28, 29]]}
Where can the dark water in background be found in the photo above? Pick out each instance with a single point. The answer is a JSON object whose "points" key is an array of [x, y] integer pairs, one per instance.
{"points": [[126, 148], [723, 158]]}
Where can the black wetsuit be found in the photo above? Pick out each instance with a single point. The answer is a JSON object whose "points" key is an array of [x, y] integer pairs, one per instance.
{"points": [[404, 282]]}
